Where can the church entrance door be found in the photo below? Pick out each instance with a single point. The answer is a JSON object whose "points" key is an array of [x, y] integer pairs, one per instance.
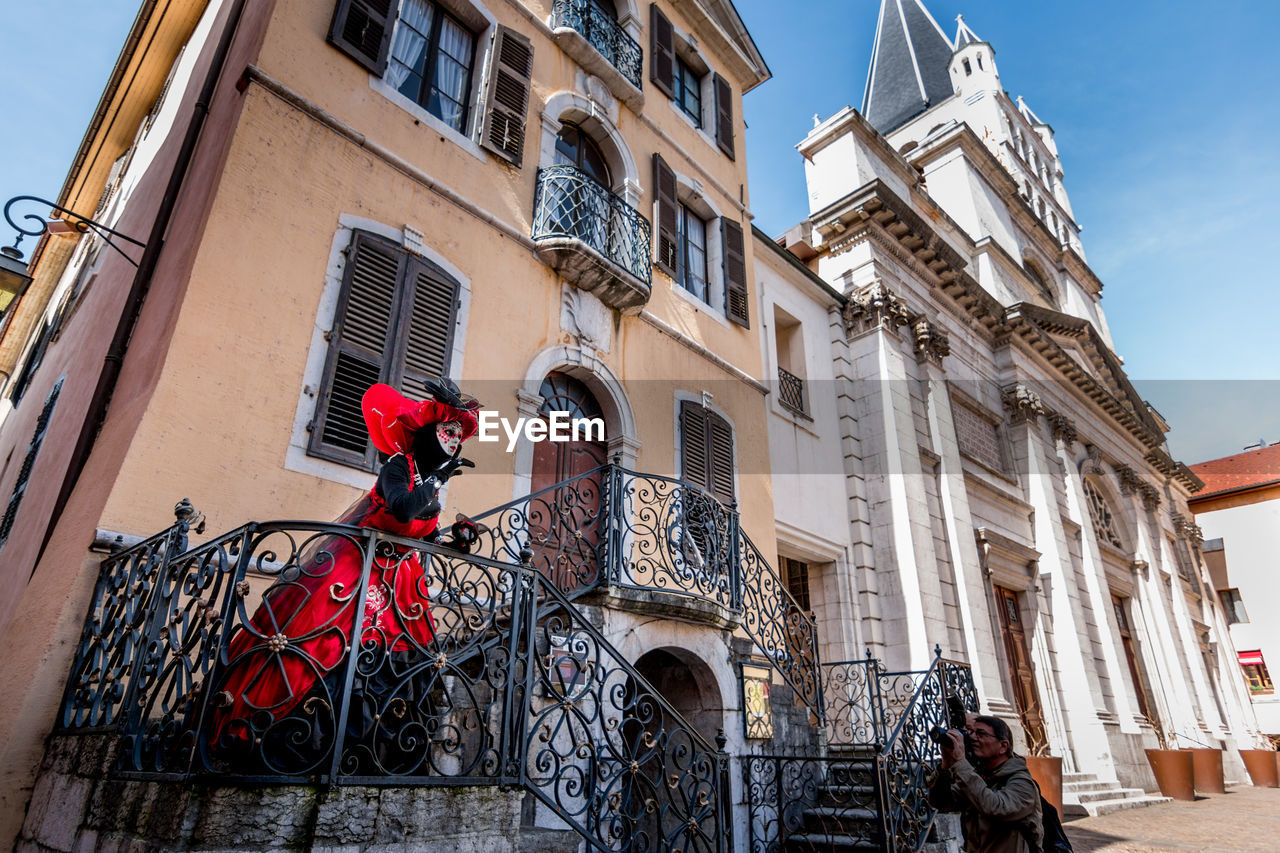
{"points": [[1021, 673]]}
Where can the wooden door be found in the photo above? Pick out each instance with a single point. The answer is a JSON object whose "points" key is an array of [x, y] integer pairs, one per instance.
{"points": [[564, 523], [1021, 673], [1131, 656]]}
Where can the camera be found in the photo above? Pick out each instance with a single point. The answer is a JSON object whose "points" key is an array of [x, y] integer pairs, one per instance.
{"points": [[955, 720]]}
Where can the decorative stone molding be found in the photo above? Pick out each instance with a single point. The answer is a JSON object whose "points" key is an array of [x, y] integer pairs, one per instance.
{"points": [[1130, 482], [1063, 429], [931, 342], [1141, 568], [875, 307], [1022, 403], [1187, 529], [1150, 497]]}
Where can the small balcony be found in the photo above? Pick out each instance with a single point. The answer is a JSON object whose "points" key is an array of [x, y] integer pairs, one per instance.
{"points": [[791, 392], [599, 44], [592, 238]]}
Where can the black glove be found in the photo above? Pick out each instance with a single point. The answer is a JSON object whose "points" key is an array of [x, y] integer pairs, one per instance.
{"points": [[452, 468]]}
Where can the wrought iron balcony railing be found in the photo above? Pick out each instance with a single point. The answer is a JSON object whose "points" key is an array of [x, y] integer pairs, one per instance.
{"points": [[791, 391], [495, 679], [603, 33], [570, 203]]}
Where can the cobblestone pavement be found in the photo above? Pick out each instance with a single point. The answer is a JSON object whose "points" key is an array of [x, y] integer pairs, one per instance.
{"points": [[1244, 818]]}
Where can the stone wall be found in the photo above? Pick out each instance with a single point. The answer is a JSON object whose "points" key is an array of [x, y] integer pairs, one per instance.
{"points": [[76, 806]]}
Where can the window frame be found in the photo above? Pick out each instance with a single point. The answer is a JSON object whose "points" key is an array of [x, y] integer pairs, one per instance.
{"points": [[395, 356], [428, 80], [686, 87], [684, 271]]}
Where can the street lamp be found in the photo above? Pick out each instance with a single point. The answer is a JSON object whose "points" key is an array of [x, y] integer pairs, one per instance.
{"points": [[14, 277]]}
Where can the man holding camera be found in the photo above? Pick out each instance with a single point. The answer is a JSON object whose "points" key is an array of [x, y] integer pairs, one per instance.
{"points": [[998, 801]]}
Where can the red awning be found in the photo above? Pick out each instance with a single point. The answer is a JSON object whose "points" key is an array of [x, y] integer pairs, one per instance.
{"points": [[1253, 658]]}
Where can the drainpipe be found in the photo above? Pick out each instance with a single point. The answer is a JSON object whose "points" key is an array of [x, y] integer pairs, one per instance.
{"points": [[96, 415]]}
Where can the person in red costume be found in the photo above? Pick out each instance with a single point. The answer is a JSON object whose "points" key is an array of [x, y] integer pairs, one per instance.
{"points": [[281, 686]]}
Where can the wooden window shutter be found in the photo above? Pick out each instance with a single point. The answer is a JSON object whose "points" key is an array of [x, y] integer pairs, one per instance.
{"points": [[426, 336], [662, 52], [693, 444], [724, 114], [362, 30], [358, 350], [720, 458], [664, 190], [735, 273], [29, 462], [507, 102]]}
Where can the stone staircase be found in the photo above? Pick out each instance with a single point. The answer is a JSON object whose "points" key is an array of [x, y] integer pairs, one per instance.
{"points": [[1084, 796], [845, 817]]}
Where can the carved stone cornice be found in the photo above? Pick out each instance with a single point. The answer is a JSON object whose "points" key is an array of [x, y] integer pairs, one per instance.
{"points": [[1063, 429], [1130, 482], [875, 306], [1150, 497], [931, 342], [1140, 568], [1187, 529], [1022, 403]]}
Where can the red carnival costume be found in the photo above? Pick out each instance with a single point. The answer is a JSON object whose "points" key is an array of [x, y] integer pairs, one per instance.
{"points": [[300, 633]]}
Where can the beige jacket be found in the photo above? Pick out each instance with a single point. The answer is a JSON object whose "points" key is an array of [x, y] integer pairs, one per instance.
{"points": [[1000, 811]]}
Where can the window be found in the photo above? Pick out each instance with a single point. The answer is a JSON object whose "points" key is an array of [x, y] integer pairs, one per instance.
{"points": [[678, 73], [428, 52], [968, 69], [431, 57], [687, 91], [395, 320], [789, 345], [1104, 526], [688, 245], [796, 576], [576, 148], [706, 450], [692, 236], [1255, 672], [1233, 605], [24, 473]]}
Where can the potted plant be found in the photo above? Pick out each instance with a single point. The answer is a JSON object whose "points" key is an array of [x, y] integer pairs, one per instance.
{"points": [[1206, 769], [1173, 768], [1046, 769], [1263, 767]]}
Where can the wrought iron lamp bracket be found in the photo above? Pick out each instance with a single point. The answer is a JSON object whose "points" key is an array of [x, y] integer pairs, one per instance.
{"points": [[35, 225]]}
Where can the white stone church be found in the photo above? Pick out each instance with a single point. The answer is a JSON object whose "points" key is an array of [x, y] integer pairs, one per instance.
{"points": [[1008, 495]]}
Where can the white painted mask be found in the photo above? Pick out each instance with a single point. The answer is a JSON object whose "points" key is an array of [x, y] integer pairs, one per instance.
{"points": [[449, 434]]}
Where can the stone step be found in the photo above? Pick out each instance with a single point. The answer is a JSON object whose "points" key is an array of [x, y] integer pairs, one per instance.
{"points": [[1102, 807], [1079, 777], [1082, 787], [1110, 794], [803, 842]]}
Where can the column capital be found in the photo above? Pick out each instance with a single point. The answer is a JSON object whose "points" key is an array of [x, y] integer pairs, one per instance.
{"points": [[1023, 404]]}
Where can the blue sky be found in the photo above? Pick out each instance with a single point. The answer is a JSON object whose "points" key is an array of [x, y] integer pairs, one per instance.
{"points": [[1166, 119]]}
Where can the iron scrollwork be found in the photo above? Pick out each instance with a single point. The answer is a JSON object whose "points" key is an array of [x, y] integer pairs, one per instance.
{"points": [[36, 225], [603, 33], [570, 203]]}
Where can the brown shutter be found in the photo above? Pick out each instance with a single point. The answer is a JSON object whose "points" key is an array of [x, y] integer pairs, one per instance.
{"points": [[362, 30], [724, 114], [507, 102], [693, 443], [358, 349], [664, 190], [721, 458], [427, 337], [29, 461], [662, 52], [735, 273]]}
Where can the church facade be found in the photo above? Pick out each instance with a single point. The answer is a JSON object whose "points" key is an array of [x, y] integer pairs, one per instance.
{"points": [[1014, 494]]}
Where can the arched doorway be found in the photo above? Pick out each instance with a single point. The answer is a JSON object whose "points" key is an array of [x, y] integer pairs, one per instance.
{"points": [[689, 686], [564, 520]]}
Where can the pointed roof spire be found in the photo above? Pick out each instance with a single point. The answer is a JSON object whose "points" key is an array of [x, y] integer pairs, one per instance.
{"points": [[964, 35], [908, 65]]}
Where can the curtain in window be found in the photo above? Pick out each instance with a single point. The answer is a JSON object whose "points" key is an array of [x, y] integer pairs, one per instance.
{"points": [[453, 65], [409, 46]]}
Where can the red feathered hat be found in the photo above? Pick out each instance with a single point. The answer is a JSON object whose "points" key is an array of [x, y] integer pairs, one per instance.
{"points": [[393, 418]]}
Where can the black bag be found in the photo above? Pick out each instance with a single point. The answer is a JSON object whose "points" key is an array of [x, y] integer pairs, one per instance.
{"points": [[1055, 837]]}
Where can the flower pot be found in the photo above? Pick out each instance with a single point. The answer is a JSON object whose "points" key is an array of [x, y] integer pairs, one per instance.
{"points": [[1173, 772], [1206, 770], [1047, 771], [1261, 764]]}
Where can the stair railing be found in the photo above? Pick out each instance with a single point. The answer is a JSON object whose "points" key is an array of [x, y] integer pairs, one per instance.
{"points": [[908, 756]]}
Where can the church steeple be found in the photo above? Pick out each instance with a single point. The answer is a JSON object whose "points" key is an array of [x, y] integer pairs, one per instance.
{"points": [[909, 62], [973, 65]]}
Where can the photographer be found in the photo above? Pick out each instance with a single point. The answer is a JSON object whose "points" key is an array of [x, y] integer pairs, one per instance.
{"points": [[998, 801]]}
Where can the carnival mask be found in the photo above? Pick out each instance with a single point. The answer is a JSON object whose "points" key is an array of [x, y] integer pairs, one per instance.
{"points": [[449, 434]]}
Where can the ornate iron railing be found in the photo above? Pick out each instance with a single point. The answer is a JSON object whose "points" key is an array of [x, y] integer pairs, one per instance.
{"points": [[642, 531], [570, 203], [909, 755], [791, 391], [603, 33], [817, 803], [853, 711], [298, 651]]}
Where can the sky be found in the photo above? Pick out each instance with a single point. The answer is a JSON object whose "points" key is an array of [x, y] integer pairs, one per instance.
{"points": [[1165, 114]]}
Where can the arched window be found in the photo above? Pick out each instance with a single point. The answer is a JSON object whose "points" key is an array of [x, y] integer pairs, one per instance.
{"points": [[1104, 525], [575, 148]]}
